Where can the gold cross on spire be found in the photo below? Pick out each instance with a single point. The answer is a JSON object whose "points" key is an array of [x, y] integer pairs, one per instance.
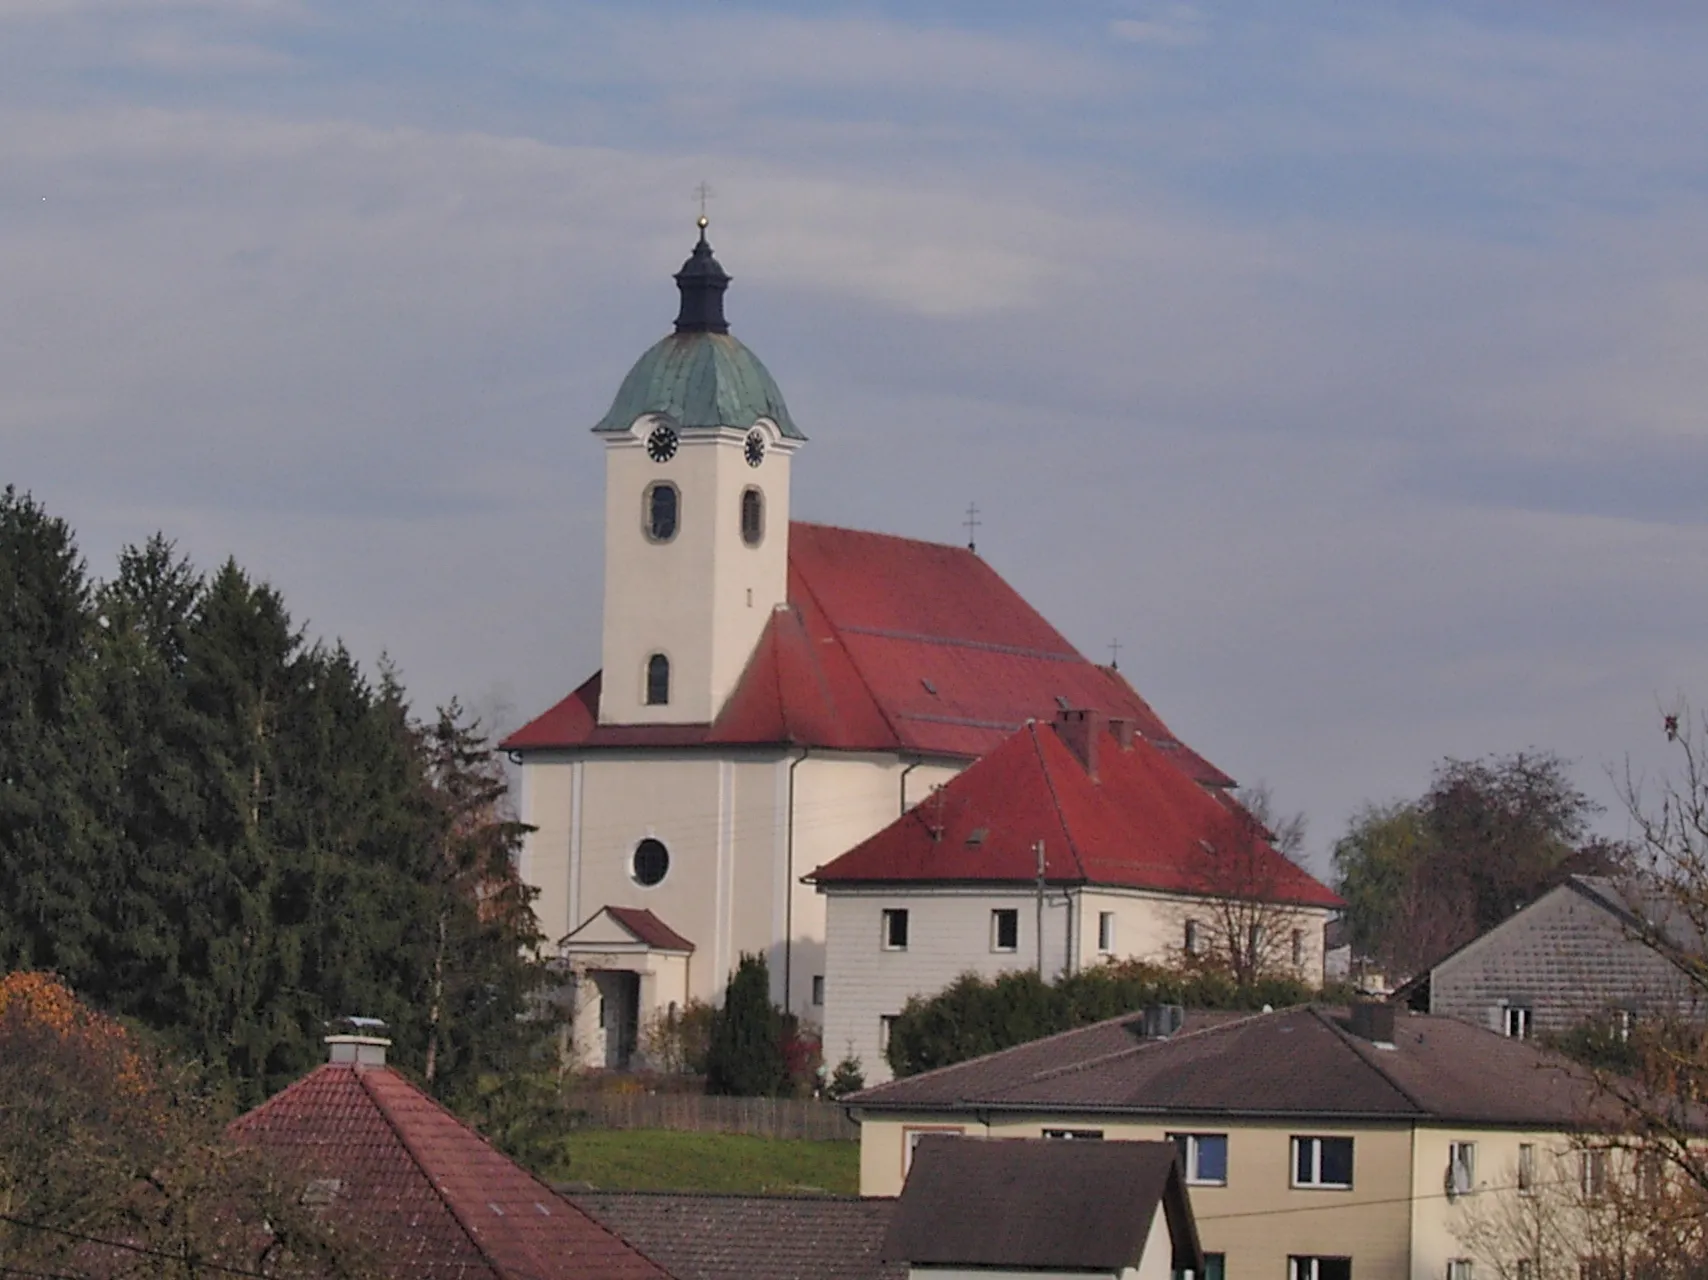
{"points": [[704, 193]]}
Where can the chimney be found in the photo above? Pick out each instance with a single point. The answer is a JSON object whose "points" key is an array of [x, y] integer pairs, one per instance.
{"points": [[1079, 729], [1122, 731], [1160, 1021], [359, 1042], [1373, 1020]]}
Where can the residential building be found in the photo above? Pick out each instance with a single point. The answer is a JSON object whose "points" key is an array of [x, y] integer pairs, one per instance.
{"points": [[427, 1193], [1575, 955], [698, 1235], [1315, 1144], [1040, 1209], [1071, 843], [771, 692]]}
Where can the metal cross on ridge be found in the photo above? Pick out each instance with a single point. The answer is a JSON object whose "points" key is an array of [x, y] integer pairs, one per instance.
{"points": [[971, 524], [1115, 654]]}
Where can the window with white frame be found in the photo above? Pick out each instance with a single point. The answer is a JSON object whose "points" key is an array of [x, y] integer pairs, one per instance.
{"points": [[1299, 1268], [894, 930], [1460, 1269], [1203, 1157], [886, 1024], [1105, 932], [1526, 1269], [1075, 1135], [1322, 1162], [1298, 948], [1515, 1021], [1005, 929], [818, 988], [913, 1135], [1461, 1168], [1527, 1167], [1592, 1173], [1194, 940], [1215, 1268]]}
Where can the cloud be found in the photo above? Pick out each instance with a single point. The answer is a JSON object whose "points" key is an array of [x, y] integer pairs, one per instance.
{"points": [[1175, 26]]}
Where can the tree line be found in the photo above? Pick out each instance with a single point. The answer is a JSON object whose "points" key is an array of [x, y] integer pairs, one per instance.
{"points": [[218, 829]]}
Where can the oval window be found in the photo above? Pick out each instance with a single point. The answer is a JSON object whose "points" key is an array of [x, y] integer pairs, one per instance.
{"points": [[651, 862], [657, 680], [662, 501], [752, 517]]}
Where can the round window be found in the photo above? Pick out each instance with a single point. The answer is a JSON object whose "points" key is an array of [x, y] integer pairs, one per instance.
{"points": [[652, 861]]}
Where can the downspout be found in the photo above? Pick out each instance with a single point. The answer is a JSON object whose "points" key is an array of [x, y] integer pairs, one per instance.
{"points": [[910, 768], [789, 899]]}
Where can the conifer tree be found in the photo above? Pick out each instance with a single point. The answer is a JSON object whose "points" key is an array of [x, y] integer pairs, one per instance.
{"points": [[746, 1057]]}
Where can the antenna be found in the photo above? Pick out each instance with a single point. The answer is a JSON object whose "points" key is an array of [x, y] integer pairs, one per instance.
{"points": [[971, 525]]}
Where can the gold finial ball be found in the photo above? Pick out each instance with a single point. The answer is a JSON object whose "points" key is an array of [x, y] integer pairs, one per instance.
{"points": [[704, 221]]}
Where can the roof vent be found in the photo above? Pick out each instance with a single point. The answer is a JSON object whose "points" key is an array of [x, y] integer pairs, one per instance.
{"points": [[977, 835], [929, 687], [359, 1042], [1160, 1021], [1063, 703]]}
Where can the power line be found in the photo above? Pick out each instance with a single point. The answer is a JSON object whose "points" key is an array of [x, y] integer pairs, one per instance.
{"points": [[126, 1246]]}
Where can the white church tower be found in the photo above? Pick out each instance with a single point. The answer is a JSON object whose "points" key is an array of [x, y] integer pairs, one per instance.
{"points": [[697, 452]]}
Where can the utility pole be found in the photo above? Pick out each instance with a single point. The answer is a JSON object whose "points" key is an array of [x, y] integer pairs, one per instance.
{"points": [[1039, 848]]}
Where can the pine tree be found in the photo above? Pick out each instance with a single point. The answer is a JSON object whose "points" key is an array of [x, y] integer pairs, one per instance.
{"points": [[746, 1057]]}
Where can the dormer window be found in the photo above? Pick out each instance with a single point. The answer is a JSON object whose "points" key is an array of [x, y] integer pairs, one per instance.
{"points": [[657, 680], [660, 511], [752, 517]]}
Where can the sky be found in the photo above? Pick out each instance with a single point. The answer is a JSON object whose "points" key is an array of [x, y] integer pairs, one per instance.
{"points": [[1347, 363]]}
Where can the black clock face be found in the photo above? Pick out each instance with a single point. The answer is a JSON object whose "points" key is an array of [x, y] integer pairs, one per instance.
{"points": [[661, 444], [755, 449]]}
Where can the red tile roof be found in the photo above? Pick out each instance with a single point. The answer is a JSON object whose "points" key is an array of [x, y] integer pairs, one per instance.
{"points": [[1138, 823], [888, 644], [433, 1195], [649, 929]]}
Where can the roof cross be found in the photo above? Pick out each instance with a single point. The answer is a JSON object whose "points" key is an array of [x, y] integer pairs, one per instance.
{"points": [[971, 525], [703, 193], [1115, 654]]}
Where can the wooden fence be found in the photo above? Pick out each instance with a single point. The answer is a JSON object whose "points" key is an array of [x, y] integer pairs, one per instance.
{"points": [[697, 1113]]}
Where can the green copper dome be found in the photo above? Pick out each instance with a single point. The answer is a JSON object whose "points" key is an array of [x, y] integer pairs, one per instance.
{"points": [[700, 379], [699, 376]]}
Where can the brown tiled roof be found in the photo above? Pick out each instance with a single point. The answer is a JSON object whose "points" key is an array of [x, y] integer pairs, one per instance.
{"points": [[700, 1236], [1039, 1205], [435, 1197], [1296, 1062], [649, 929]]}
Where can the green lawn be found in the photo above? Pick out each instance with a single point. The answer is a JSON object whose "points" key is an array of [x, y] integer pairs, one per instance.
{"points": [[661, 1160]]}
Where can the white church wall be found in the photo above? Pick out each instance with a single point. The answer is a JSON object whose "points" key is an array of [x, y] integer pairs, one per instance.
{"points": [[546, 801]]}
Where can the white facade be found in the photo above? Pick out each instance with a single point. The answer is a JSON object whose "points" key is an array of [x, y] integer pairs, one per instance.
{"points": [[955, 930]]}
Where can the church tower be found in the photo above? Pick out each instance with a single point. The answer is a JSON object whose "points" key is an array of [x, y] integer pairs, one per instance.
{"points": [[697, 451]]}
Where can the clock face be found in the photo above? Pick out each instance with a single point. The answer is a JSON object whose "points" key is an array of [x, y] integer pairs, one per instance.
{"points": [[755, 448], [661, 444]]}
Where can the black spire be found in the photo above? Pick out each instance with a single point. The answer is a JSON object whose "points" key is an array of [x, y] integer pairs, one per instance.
{"points": [[702, 282]]}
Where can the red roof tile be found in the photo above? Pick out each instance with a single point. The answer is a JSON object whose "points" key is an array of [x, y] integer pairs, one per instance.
{"points": [[889, 644], [435, 1197], [649, 929], [1139, 823]]}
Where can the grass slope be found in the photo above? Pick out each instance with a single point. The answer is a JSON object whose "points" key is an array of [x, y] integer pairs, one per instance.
{"points": [[660, 1160]]}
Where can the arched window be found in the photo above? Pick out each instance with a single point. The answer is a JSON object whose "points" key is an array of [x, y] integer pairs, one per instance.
{"points": [[657, 680], [661, 514], [752, 517], [651, 862]]}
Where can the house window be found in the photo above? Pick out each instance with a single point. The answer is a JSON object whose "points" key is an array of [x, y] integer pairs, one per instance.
{"points": [[1322, 1162], [1592, 1174], [1460, 1269], [1106, 931], [1461, 1168], [1527, 1269], [1203, 1157], [1319, 1268], [752, 517], [651, 862], [1005, 929], [1651, 1175], [1298, 948], [1215, 1268], [1527, 1167], [1194, 941], [1075, 1135], [895, 928], [657, 680], [1623, 1021], [911, 1137], [1515, 1021], [660, 511], [818, 988], [886, 1024]]}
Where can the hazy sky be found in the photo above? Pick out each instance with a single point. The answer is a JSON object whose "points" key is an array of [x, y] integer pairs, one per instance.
{"points": [[1348, 362]]}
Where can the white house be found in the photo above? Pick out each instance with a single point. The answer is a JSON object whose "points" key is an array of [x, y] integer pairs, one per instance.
{"points": [[771, 694]]}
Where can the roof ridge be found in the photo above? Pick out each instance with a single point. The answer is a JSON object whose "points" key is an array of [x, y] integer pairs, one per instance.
{"points": [[468, 1228], [830, 624], [667, 1193], [1055, 800], [1347, 1039], [1069, 1068]]}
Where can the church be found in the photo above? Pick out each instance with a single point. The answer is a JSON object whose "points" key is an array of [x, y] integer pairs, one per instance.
{"points": [[772, 693]]}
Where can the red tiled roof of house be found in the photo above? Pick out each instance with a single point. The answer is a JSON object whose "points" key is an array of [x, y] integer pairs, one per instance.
{"points": [[649, 929], [433, 1196], [888, 644], [1139, 822]]}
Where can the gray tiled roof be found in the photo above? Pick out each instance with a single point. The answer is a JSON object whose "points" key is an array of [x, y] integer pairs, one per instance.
{"points": [[1296, 1062], [705, 1236]]}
